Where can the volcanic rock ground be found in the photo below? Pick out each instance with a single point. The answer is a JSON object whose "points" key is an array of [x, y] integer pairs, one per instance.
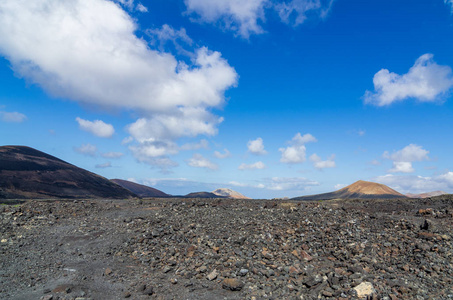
{"points": [[227, 249]]}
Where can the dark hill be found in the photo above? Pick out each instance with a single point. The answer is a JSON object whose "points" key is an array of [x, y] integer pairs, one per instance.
{"points": [[140, 189], [358, 190], [28, 173]]}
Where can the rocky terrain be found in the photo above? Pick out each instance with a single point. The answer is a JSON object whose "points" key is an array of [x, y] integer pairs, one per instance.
{"points": [[227, 249]]}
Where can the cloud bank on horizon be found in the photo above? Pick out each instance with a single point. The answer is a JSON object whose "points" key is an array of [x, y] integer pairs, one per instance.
{"points": [[168, 90]]}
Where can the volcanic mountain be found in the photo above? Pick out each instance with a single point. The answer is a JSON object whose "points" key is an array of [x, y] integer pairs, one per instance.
{"points": [[358, 190], [426, 195], [229, 193], [202, 195], [28, 173], [139, 189]]}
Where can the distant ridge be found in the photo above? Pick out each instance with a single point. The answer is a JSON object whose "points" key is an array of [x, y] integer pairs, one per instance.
{"points": [[358, 190], [28, 173], [229, 193], [202, 195], [426, 195], [140, 189]]}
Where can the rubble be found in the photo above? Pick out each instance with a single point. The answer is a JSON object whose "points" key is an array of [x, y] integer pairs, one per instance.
{"points": [[227, 249]]}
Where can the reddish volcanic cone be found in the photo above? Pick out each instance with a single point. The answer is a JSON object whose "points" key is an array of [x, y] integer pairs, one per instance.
{"points": [[358, 190]]}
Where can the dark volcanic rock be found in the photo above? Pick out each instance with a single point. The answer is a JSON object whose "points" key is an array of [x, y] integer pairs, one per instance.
{"points": [[28, 173], [192, 249]]}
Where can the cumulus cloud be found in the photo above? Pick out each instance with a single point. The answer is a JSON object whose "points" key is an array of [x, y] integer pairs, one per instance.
{"points": [[426, 81], [112, 154], [87, 149], [130, 5], [418, 184], [296, 152], [186, 122], [97, 127], [199, 161], [203, 144], [166, 34], [223, 155], [153, 149], [104, 165], [236, 15], [403, 159], [12, 117], [320, 164], [247, 17], [297, 12], [255, 166], [256, 147], [87, 51], [141, 8]]}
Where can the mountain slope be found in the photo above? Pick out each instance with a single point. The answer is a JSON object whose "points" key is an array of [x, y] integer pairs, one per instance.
{"points": [[229, 193], [358, 190], [202, 195], [28, 173], [426, 195], [140, 189]]}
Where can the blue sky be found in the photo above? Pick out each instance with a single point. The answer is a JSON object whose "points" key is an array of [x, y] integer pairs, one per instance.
{"points": [[269, 98]]}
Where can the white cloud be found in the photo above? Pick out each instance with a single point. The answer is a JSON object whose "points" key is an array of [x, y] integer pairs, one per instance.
{"points": [[236, 15], [87, 149], [112, 154], [339, 186], [186, 122], [199, 161], [293, 154], [256, 147], [12, 117], [449, 2], [402, 167], [168, 33], [127, 140], [417, 184], [297, 12], [153, 149], [246, 17], [296, 153], [303, 139], [411, 152], [222, 156], [203, 144], [87, 51], [320, 164], [104, 165], [255, 166], [403, 159], [426, 81], [130, 5], [97, 127], [141, 8]]}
